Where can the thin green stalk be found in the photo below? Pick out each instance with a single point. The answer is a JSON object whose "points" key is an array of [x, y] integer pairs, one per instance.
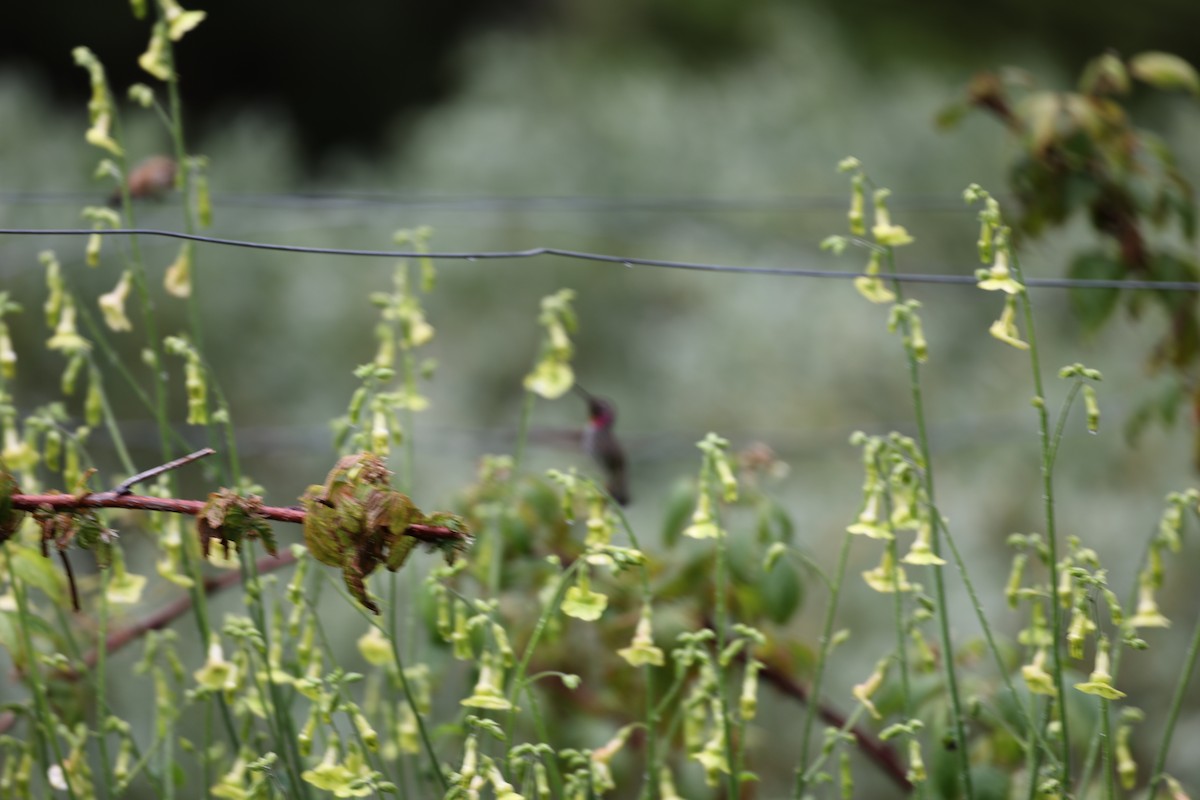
{"points": [[409, 484], [650, 775], [851, 720], [1110, 781], [1089, 763], [97, 335], [539, 628], [434, 765], [206, 752], [543, 734], [1056, 622], [168, 759], [44, 724], [722, 580], [667, 699], [146, 302], [898, 618], [939, 579], [825, 645], [375, 760], [283, 726], [174, 122], [154, 344], [102, 680], [405, 688], [110, 420], [1036, 765], [1034, 731], [1173, 710], [142, 760], [1060, 423]]}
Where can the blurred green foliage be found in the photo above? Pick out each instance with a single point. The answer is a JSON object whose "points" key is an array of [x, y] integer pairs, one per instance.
{"points": [[1081, 154], [549, 142]]}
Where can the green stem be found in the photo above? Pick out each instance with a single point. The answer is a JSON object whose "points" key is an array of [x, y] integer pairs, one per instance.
{"points": [[1110, 784], [1049, 451], [411, 699], [898, 615], [405, 687], [44, 724], [110, 420], [97, 335], [102, 681], [539, 628], [175, 125], [649, 782], [732, 777], [543, 734], [650, 775], [935, 545], [161, 416], [146, 302], [168, 759], [819, 761], [278, 711], [1033, 730], [1035, 758], [1176, 706], [823, 650], [1060, 423]]}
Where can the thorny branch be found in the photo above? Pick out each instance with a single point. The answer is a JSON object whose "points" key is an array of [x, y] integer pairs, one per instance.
{"points": [[164, 616], [67, 502]]}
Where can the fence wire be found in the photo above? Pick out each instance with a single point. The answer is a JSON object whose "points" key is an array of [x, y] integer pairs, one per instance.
{"points": [[606, 258]]}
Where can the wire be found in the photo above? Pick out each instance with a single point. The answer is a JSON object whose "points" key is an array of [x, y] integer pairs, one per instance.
{"points": [[627, 261]]}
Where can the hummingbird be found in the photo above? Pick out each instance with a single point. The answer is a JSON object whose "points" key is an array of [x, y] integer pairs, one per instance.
{"points": [[600, 442], [152, 178]]}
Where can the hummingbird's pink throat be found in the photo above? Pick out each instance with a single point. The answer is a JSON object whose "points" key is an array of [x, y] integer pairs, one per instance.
{"points": [[602, 419]]}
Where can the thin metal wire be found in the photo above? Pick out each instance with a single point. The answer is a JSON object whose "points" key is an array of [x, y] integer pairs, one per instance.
{"points": [[626, 261]]}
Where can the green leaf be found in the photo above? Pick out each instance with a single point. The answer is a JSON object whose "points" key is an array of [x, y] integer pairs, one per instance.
{"points": [[1104, 74], [1093, 306], [782, 592], [34, 569], [679, 512], [1165, 71], [990, 783], [745, 559], [773, 523]]}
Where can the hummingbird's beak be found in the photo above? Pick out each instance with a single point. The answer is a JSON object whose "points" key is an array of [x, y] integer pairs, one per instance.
{"points": [[584, 393]]}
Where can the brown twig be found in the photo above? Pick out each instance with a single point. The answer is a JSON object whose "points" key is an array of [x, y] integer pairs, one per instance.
{"points": [[64, 502], [164, 616], [877, 751], [177, 608], [127, 485]]}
